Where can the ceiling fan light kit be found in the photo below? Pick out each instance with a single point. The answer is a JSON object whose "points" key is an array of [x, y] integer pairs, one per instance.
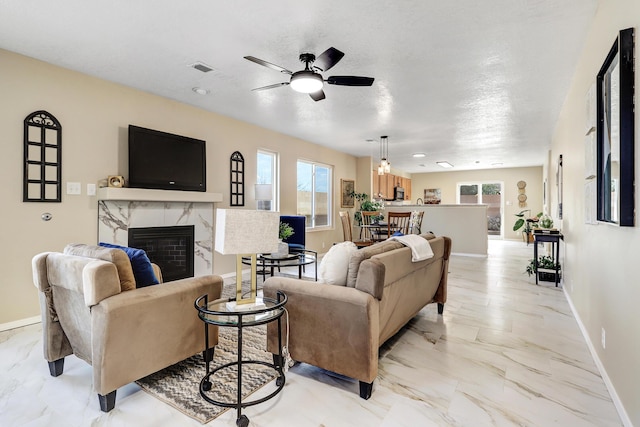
{"points": [[306, 82], [310, 80]]}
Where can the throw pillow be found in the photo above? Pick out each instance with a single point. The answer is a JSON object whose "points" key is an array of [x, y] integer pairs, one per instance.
{"points": [[334, 264], [397, 233], [118, 258], [142, 268]]}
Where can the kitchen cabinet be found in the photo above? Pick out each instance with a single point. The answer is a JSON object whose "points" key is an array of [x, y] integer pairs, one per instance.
{"points": [[385, 184]]}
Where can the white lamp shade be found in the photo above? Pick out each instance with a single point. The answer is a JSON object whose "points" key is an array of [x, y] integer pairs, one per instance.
{"points": [[264, 192], [243, 231]]}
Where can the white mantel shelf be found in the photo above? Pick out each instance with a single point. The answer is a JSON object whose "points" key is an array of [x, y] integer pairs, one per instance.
{"points": [[148, 195]]}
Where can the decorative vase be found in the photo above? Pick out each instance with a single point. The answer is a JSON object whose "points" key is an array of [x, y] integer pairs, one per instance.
{"points": [[283, 250], [545, 222]]}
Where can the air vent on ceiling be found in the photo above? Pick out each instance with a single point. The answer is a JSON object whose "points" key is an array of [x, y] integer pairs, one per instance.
{"points": [[201, 66]]}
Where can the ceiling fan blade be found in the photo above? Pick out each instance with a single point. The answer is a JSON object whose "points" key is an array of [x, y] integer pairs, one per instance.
{"points": [[328, 59], [271, 86], [350, 80], [268, 64], [317, 96]]}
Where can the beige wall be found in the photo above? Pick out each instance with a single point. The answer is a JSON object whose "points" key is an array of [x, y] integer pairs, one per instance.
{"points": [[95, 115], [601, 260], [447, 182]]}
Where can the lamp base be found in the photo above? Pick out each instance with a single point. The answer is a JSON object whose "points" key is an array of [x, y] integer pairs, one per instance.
{"points": [[256, 305]]}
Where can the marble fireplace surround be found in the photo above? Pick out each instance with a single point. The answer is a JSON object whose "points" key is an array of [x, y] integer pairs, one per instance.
{"points": [[122, 208]]}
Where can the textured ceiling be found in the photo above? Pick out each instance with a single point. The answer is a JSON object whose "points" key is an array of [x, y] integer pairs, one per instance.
{"points": [[472, 82]]}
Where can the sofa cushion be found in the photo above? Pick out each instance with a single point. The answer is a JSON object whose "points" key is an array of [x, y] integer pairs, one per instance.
{"points": [[142, 268], [334, 264], [118, 257], [366, 253]]}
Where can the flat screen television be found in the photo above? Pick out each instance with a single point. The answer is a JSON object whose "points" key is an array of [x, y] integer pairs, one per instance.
{"points": [[166, 161]]}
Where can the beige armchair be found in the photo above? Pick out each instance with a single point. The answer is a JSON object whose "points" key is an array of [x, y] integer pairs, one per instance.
{"points": [[90, 308]]}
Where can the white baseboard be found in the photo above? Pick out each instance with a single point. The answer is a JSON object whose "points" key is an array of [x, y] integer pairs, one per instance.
{"points": [[624, 417], [469, 254], [20, 323]]}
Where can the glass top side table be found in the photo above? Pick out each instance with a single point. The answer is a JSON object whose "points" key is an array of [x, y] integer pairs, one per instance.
{"points": [[219, 313]]}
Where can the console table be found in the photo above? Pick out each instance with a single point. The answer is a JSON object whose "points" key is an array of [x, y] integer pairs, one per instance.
{"points": [[218, 313], [554, 239]]}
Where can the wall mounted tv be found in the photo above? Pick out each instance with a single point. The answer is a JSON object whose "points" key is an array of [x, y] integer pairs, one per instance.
{"points": [[165, 161]]}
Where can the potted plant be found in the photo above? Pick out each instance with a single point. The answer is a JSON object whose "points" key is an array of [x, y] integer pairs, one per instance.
{"points": [[545, 262], [366, 205], [284, 232], [526, 224]]}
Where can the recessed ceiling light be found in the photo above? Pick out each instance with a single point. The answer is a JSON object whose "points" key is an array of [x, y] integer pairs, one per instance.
{"points": [[446, 165], [200, 91], [416, 155]]}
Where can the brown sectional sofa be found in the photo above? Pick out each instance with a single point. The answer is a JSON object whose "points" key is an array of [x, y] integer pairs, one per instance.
{"points": [[340, 328]]}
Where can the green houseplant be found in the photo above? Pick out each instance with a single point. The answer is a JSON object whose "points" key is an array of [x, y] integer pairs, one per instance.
{"points": [[544, 262], [526, 224], [285, 231], [366, 205]]}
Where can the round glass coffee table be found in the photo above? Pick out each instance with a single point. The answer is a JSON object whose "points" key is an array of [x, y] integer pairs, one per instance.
{"points": [[267, 263]]}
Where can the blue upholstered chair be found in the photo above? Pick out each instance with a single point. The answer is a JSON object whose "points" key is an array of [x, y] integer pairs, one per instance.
{"points": [[296, 241]]}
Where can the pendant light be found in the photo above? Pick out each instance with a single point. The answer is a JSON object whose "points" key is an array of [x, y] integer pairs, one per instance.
{"points": [[385, 165]]}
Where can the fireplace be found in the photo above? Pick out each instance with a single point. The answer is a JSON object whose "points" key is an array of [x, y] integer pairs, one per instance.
{"points": [[172, 248]]}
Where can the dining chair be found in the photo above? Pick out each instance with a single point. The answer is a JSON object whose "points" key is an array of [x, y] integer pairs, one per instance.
{"points": [[398, 222], [370, 233], [416, 222], [347, 231]]}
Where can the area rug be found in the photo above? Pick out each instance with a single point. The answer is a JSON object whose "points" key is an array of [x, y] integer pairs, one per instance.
{"points": [[179, 384]]}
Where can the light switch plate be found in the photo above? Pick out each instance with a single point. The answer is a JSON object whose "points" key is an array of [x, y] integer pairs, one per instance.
{"points": [[91, 189], [73, 188]]}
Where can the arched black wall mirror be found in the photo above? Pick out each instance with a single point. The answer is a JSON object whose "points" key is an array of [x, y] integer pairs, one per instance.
{"points": [[615, 152], [42, 158], [237, 179]]}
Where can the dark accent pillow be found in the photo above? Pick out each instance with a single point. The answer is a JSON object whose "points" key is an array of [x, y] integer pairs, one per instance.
{"points": [[142, 268]]}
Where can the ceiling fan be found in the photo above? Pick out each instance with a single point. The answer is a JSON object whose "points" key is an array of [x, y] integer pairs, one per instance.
{"points": [[310, 80]]}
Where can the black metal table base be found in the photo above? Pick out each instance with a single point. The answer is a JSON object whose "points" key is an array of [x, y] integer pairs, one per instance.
{"points": [[205, 386], [209, 317]]}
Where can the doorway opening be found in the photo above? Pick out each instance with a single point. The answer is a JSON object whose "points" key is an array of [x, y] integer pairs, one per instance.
{"points": [[488, 193]]}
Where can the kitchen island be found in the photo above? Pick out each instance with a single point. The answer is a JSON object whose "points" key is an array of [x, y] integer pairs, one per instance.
{"points": [[466, 224]]}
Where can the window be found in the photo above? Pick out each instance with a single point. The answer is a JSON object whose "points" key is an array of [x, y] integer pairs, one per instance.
{"points": [[267, 179], [315, 194]]}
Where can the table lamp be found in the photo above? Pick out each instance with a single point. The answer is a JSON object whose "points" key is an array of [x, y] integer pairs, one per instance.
{"points": [[244, 232], [264, 196]]}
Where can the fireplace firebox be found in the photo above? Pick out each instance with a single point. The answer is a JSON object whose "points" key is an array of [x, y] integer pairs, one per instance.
{"points": [[172, 248]]}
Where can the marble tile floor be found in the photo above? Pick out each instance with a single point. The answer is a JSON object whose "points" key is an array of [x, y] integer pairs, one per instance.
{"points": [[505, 353]]}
